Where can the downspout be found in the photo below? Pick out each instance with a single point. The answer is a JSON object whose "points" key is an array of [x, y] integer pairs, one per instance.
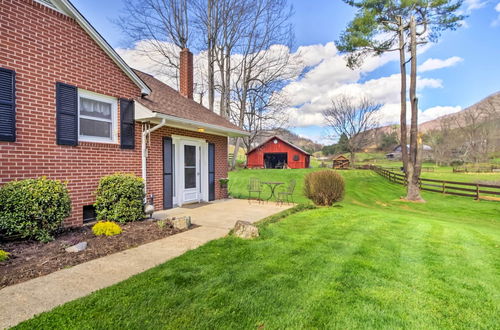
{"points": [[145, 134]]}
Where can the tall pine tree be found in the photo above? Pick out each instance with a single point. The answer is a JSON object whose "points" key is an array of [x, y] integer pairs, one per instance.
{"points": [[382, 26]]}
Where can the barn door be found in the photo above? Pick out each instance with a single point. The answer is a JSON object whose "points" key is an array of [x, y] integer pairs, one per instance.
{"points": [[167, 173]]}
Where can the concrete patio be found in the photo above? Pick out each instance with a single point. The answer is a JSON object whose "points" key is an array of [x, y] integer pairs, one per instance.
{"points": [[24, 300]]}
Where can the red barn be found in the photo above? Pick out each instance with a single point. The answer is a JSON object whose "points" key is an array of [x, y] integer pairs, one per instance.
{"points": [[277, 153]]}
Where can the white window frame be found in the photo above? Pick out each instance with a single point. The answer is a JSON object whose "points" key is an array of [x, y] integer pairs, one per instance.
{"points": [[114, 116]]}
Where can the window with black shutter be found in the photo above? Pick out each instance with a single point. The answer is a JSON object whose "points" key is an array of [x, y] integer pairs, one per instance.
{"points": [[127, 124], [67, 114], [7, 105]]}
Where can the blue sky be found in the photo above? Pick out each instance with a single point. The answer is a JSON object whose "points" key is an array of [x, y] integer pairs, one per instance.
{"points": [[317, 22]]}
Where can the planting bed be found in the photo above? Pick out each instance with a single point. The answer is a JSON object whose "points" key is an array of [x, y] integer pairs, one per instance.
{"points": [[30, 259]]}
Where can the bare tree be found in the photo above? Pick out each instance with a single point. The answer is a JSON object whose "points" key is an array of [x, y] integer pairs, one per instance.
{"points": [[352, 117], [263, 68], [162, 24], [476, 126]]}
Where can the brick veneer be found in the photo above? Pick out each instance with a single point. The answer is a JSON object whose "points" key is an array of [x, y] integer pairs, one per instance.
{"points": [[155, 160], [43, 47]]}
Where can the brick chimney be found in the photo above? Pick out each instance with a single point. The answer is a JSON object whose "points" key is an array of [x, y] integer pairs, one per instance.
{"points": [[186, 73]]}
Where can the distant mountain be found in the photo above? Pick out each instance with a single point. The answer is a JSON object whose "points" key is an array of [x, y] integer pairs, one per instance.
{"points": [[490, 103], [301, 142]]}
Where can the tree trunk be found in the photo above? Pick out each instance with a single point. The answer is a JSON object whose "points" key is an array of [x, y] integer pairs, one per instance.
{"points": [[210, 56], [414, 163], [243, 107], [223, 89], [227, 99], [402, 67], [235, 153]]}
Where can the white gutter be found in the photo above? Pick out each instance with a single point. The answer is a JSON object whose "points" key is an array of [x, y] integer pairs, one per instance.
{"points": [[145, 152], [222, 129]]}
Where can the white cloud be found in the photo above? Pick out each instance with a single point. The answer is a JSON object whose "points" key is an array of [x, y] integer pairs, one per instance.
{"points": [[496, 22], [438, 111], [310, 94], [471, 5], [390, 113], [434, 63]]}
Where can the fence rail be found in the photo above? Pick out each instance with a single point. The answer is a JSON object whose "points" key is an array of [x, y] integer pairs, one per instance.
{"points": [[465, 189]]}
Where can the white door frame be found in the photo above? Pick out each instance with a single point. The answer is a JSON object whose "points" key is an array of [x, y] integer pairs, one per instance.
{"points": [[178, 142]]}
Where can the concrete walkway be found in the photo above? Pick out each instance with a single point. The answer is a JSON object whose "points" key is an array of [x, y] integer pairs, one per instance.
{"points": [[22, 301]]}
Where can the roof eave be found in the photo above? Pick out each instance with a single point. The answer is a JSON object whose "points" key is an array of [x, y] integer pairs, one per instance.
{"points": [[193, 125], [71, 11]]}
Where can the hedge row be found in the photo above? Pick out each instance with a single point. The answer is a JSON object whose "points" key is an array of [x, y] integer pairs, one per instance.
{"points": [[36, 208]]}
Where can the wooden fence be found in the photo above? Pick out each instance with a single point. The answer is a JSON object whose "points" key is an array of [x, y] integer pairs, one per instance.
{"points": [[424, 169], [466, 189], [476, 169]]}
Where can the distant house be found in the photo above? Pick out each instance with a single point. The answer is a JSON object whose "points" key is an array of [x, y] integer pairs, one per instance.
{"points": [[340, 162], [277, 153], [396, 153]]}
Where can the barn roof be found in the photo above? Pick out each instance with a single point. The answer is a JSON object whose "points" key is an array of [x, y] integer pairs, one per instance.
{"points": [[286, 142], [340, 156]]}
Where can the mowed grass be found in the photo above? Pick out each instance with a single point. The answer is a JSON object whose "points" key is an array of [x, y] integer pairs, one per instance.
{"points": [[372, 261], [239, 180]]}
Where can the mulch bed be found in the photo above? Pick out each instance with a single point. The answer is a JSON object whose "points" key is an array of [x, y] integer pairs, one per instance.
{"points": [[30, 259]]}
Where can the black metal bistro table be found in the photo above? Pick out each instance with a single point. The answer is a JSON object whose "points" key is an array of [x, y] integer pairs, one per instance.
{"points": [[272, 185]]}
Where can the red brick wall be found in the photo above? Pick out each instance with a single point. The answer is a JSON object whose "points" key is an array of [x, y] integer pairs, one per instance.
{"points": [[255, 159], [44, 47], [155, 161]]}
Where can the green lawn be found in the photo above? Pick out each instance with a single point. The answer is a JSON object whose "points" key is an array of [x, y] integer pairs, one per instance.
{"points": [[370, 262], [238, 181]]}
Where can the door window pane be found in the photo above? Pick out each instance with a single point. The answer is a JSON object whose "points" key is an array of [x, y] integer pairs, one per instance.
{"points": [[89, 127], [189, 156], [190, 177], [189, 167]]}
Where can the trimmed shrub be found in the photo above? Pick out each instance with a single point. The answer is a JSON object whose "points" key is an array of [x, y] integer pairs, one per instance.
{"points": [[324, 187], [33, 208], [119, 198], [4, 255], [107, 228]]}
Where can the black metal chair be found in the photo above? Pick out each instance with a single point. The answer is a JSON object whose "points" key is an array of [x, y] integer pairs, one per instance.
{"points": [[287, 194], [254, 186]]}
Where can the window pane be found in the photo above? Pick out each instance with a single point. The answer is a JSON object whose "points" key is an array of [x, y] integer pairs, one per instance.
{"points": [[89, 127], [189, 156], [95, 108], [190, 177]]}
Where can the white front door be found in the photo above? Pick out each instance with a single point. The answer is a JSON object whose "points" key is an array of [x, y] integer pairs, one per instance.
{"points": [[191, 171]]}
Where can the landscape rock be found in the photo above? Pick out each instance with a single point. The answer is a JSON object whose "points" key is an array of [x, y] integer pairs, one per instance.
{"points": [[77, 247], [245, 230], [181, 223]]}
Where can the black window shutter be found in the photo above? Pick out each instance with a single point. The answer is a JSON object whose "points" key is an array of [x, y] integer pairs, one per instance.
{"points": [[66, 114], [168, 192], [127, 124], [211, 171], [7, 105]]}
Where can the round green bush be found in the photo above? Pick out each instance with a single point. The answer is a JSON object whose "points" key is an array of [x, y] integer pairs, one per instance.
{"points": [[119, 198], [33, 208], [324, 187]]}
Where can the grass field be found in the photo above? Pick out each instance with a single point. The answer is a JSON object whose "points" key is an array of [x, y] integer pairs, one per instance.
{"points": [[372, 261]]}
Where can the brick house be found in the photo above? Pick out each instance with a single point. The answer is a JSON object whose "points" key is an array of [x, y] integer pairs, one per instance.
{"points": [[72, 109]]}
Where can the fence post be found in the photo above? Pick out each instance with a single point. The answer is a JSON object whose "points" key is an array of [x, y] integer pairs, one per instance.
{"points": [[444, 187], [477, 191]]}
